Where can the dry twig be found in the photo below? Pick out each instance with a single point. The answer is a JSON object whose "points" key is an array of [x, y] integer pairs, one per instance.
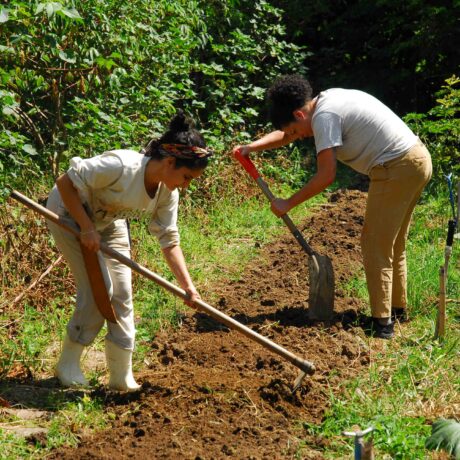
{"points": [[33, 284]]}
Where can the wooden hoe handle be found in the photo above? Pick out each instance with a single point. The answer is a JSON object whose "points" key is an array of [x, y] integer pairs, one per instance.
{"points": [[304, 365]]}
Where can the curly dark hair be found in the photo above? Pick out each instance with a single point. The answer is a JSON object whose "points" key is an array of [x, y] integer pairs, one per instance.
{"points": [[287, 94]]}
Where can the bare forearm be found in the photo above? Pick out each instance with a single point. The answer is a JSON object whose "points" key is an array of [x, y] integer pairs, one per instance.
{"points": [[323, 178], [273, 140], [73, 203], [176, 261], [313, 187]]}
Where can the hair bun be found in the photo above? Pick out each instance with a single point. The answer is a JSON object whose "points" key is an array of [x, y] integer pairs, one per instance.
{"points": [[180, 122]]}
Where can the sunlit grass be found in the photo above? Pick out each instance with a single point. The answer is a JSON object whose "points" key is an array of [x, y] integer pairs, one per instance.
{"points": [[412, 380], [70, 421]]}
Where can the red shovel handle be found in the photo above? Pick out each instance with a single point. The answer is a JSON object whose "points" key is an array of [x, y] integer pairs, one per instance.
{"points": [[247, 164]]}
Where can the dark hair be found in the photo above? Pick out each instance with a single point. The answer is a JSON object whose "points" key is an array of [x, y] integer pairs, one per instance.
{"points": [[287, 94], [181, 130]]}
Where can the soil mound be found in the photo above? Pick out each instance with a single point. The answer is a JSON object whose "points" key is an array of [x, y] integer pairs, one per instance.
{"points": [[209, 392]]}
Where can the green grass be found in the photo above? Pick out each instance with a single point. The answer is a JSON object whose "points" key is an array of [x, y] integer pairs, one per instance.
{"points": [[426, 244], [71, 419], [413, 379], [34, 332], [410, 382]]}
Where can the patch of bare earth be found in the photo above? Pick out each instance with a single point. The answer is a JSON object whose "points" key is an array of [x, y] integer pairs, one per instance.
{"points": [[209, 392]]}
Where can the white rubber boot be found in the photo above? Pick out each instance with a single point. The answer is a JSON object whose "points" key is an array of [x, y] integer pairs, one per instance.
{"points": [[68, 369], [120, 368]]}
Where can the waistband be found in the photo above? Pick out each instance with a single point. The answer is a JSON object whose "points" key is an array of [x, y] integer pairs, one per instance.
{"points": [[393, 161]]}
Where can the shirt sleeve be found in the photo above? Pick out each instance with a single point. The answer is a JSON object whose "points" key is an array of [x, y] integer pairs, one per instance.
{"points": [[327, 130], [95, 173], [164, 221]]}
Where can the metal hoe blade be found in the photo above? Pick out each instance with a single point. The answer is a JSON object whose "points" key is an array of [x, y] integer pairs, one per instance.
{"points": [[298, 381]]}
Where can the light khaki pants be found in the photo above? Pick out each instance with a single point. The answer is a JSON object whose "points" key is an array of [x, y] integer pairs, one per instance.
{"points": [[394, 190], [86, 321]]}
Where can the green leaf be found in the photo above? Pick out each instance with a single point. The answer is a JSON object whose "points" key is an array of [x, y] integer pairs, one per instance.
{"points": [[9, 110], [30, 149], [40, 8], [71, 13], [3, 48], [445, 435], [52, 7], [66, 58], [107, 63], [104, 116], [3, 15]]}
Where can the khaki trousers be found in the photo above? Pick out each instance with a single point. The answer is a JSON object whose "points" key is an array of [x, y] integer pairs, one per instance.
{"points": [[394, 190], [86, 321]]}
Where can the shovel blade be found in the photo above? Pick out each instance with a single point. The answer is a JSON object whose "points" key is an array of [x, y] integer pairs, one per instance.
{"points": [[321, 301]]}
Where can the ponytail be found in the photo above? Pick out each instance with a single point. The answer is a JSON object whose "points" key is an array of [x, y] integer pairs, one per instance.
{"points": [[181, 141]]}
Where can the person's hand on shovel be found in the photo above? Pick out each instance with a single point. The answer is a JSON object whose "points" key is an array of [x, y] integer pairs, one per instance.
{"points": [[280, 207], [244, 149]]}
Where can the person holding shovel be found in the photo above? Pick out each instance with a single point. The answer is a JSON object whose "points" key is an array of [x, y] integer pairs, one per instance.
{"points": [[99, 194], [360, 131]]}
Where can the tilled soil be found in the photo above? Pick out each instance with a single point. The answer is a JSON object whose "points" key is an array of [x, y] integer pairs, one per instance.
{"points": [[208, 392]]}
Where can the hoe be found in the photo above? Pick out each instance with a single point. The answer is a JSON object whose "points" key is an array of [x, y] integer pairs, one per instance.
{"points": [[305, 366]]}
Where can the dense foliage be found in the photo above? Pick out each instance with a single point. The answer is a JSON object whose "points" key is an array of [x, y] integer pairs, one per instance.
{"points": [[84, 76], [400, 51], [80, 76], [439, 128]]}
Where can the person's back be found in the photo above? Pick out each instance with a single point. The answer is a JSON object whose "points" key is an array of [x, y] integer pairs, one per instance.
{"points": [[364, 131], [357, 129]]}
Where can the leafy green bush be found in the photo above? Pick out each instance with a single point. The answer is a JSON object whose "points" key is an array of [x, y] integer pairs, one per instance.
{"points": [[78, 77], [440, 130]]}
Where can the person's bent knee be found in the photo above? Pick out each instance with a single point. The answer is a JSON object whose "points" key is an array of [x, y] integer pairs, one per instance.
{"points": [[84, 335], [125, 342]]}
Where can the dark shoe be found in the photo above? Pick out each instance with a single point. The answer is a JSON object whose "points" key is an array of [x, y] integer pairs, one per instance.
{"points": [[380, 331], [399, 314]]}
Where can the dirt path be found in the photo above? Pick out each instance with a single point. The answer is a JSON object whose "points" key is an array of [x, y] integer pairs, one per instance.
{"points": [[211, 393]]}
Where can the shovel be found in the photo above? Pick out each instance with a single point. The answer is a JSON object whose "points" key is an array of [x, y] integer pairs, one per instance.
{"points": [[321, 300], [306, 367]]}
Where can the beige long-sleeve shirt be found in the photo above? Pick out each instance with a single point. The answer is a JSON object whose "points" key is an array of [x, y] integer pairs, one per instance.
{"points": [[111, 186]]}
